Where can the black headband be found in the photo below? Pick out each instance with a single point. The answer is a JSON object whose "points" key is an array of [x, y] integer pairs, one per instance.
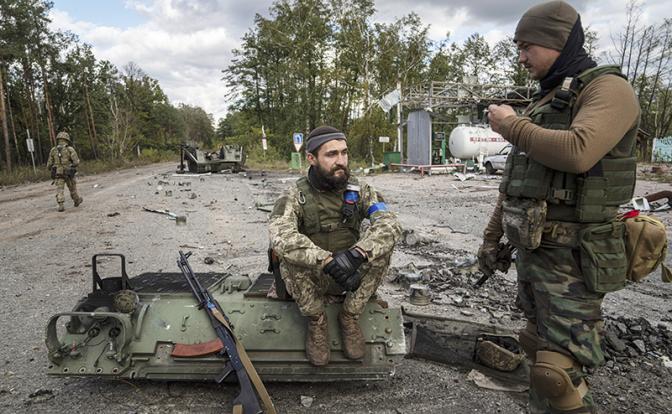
{"points": [[314, 142]]}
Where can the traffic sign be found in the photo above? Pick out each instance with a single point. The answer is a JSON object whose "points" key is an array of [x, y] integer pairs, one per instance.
{"points": [[298, 140], [384, 139], [30, 145]]}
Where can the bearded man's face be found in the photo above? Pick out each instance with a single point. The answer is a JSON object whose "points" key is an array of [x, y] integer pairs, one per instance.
{"points": [[331, 163]]}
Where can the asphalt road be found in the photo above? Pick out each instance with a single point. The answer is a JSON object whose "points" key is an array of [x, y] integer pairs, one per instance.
{"points": [[45, 267]]}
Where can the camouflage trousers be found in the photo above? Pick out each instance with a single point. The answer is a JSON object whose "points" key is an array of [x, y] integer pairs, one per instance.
{"points": [[309, 286], [60, 187], [552, 294]]}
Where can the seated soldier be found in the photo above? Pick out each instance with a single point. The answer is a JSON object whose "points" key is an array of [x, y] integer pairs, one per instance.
{"points": [[315, 232]]}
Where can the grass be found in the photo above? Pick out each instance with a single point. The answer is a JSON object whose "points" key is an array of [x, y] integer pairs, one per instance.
{"points": [[24, 174]]}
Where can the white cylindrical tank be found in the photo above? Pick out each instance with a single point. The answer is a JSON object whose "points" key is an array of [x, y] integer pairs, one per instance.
{"points": [[474, 141]]}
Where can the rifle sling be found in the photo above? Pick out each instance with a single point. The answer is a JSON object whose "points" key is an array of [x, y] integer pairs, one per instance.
{"points": [[196, 350], [249, 368]]}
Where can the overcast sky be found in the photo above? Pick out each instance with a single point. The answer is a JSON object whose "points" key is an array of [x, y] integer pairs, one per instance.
{"points": [[186, 43]]}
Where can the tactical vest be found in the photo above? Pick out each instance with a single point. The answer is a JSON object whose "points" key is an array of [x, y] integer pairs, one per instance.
{"points": [[322, 219], [591, 197], [62, 158]]}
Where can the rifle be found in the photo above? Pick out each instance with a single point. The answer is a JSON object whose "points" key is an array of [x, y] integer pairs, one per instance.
{"points": [[504, 259], [246, 402]]}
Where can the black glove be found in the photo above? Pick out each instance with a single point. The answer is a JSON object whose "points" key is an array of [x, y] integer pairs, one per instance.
{"points": [[71, 171], [352, 282], [343, 267]]}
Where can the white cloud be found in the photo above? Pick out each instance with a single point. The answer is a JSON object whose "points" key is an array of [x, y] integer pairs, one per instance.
{"points": [[187, 63], [186, 43]]}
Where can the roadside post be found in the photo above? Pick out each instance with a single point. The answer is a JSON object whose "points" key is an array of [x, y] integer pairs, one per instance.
{"points": [[31, 149], [384, 140], [298, 143]]}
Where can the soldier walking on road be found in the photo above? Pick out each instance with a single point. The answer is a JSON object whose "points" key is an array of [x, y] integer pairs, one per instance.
{"points": [[571, 166], [63, 162], [315, 231]]}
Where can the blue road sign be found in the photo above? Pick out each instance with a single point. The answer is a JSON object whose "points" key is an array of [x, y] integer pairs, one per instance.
{"points": [[298, 140]]}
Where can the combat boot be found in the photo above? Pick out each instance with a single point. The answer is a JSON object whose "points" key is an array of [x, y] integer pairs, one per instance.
{"points": [[78, 201], [61, 207], [317, 340], [351, 334]]}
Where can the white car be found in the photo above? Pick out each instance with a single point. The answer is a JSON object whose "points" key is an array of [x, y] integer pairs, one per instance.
{"points": [[496, 162]]}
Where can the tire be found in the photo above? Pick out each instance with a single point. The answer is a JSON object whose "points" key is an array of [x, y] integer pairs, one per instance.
{"points": [[489, 169]]}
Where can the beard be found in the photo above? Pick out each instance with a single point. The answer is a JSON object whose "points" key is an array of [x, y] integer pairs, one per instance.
{"points": [[328, 180]]}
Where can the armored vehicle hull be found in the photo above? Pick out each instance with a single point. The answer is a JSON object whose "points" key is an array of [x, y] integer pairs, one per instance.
{"points": [[163, 335], [229, 157]]}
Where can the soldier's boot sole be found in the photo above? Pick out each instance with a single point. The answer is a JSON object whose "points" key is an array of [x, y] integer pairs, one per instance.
{"points": [[61, 207], [79, 201], [351, 333], [317, 341]]}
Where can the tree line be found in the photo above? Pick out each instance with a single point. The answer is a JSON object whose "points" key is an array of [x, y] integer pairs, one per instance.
{"points": [[309, 62], [644, 51], [313, 62], [50, 81]]}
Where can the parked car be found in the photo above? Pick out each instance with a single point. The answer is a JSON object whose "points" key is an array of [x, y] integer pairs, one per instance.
{"points": [[496, 162]]}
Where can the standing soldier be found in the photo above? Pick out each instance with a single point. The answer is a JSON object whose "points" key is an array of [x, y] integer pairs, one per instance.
{"points": [[63, 162], [571, 166], [315, 231]]}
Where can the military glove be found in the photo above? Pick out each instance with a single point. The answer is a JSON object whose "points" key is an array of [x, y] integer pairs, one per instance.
{"points": [[352, 282], [504, 257], [344, 264], [487, 257]]}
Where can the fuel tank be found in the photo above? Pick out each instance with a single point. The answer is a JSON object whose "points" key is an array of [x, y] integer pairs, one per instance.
{"points": [[150, 327], [471, 141]]}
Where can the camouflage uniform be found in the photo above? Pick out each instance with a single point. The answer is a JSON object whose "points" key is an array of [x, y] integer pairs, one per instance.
{"points": [[62, 157], [301, 255]]}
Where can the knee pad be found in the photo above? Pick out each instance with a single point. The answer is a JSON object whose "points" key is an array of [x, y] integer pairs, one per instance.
{"points": [[549, 378], [529, 340]]}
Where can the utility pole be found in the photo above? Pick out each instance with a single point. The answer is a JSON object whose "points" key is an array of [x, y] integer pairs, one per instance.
{"points": [[3, 120], [400, 138]]}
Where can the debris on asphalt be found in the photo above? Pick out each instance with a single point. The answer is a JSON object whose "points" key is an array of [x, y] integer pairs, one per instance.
{"points": [[413, 237], [208, 260], [487, 382], [627, 338], [39, 396], [191, 246], [464, 177], [265, 207], [170, 214], [307, 401], [420, 295], [116, 213]]}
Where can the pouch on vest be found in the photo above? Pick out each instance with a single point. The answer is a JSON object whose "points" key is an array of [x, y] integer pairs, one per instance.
{"points": [[523, 221], [53, 172], [645, 244], [603, 255]]}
